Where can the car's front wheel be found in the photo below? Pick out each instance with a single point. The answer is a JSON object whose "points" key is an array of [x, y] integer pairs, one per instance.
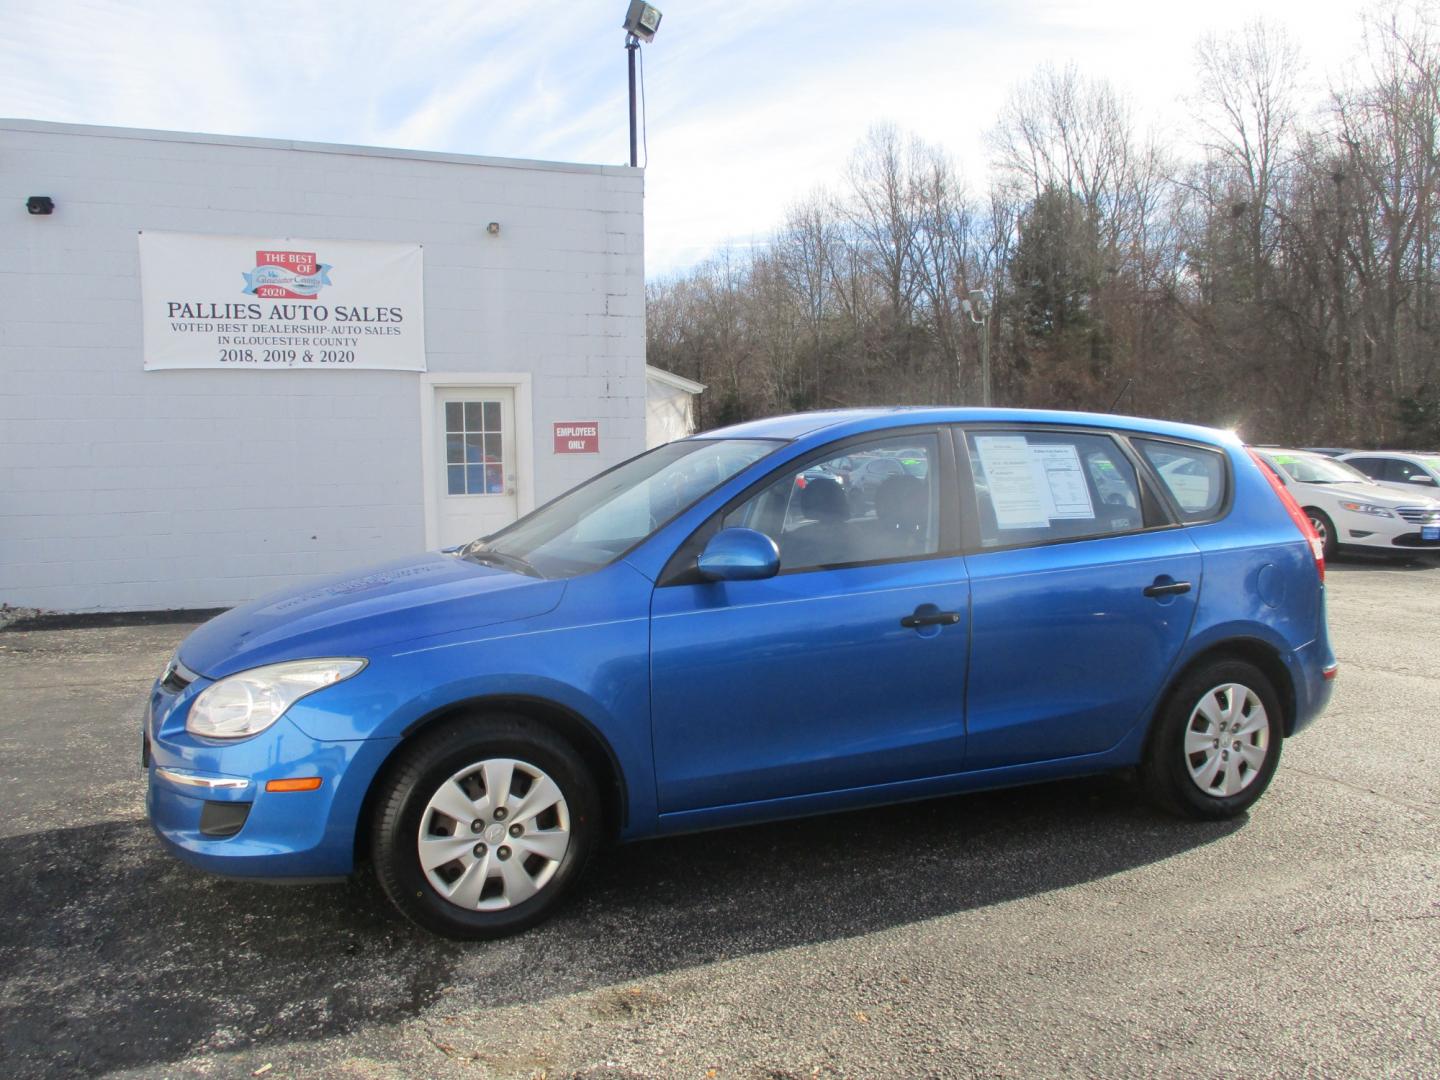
{"points": [[483, 825], [1216, 742]]}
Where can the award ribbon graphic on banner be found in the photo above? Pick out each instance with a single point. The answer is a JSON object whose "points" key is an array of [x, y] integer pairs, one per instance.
{"points": [[294, 274]]}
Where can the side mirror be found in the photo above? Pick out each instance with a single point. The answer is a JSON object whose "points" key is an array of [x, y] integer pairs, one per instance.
{"points": [[1421, 478], [739, 555]]}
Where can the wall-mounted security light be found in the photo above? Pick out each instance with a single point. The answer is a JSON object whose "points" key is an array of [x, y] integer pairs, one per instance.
{"points": [[493, 228], [642, 20], [40, 204]]}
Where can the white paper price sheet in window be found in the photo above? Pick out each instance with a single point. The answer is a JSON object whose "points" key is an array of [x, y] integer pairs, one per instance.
{"points": [[1033, 484]]}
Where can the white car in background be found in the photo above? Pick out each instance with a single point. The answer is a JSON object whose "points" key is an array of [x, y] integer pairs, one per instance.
{"points": [[1349, 510], [1414, 473]]}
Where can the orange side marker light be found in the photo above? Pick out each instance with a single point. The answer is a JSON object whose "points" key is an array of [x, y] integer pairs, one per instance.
{"points": [[300, 783]]}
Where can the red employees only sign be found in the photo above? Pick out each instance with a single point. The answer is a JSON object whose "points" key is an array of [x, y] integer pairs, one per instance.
{"points": [[577, 437]]}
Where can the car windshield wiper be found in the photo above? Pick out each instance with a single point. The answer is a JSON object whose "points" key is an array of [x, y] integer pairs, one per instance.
{"points": [[478, 552]]}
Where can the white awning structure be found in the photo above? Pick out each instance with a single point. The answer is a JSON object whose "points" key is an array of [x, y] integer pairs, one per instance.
{"points": [[669, 406]]}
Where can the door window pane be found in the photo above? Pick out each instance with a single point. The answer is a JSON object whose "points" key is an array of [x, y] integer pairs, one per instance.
{"points": [[877, 503], [474, 437], [1039, 486], [1406, 473], [1194, 477]]}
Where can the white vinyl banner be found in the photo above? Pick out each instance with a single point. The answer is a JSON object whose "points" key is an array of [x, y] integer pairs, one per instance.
{"points": [[259, 302]]}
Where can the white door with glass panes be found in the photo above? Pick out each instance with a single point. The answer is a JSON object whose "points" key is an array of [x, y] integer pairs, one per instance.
{"points": [[476, 462]]}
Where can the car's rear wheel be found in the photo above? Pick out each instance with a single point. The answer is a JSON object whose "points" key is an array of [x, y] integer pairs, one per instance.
{"points": [[1216, 742], [1324, 528], [483, 825]]}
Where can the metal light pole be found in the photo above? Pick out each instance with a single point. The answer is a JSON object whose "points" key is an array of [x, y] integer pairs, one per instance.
{"points": [[978, 308], [641, 22], [632, 45]]}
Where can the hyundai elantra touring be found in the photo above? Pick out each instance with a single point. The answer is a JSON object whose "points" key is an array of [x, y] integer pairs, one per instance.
{"points": [[716, 632]]}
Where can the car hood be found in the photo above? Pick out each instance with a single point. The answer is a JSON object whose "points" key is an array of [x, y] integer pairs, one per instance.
{"points": [[1375, 494], [355, 613]]}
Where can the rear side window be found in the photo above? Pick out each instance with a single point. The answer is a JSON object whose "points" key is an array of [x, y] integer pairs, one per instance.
{"points": [[1194, 476], [1371, 467], [1035, 487]]}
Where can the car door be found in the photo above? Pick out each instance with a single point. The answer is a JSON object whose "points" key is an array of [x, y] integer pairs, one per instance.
{"points": [[1079, 603], [1410, 477], [847, 669]]}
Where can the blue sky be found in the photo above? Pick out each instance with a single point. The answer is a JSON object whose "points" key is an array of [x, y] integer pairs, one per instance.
{"points": [[751, 105]]}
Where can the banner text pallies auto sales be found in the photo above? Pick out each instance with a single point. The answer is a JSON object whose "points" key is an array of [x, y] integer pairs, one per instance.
{"points": [[286, 313]]}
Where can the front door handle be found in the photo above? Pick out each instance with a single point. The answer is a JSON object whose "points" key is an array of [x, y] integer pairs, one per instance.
{"points": [[1167, 588], [934, 618]]}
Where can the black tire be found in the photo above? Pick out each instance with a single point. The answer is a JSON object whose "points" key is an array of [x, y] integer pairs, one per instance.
{"points": [[1326, 528], [1166, 771], [419, 773]]}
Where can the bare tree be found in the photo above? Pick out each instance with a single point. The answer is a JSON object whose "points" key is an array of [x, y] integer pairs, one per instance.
{"points": [[1247, 108]]}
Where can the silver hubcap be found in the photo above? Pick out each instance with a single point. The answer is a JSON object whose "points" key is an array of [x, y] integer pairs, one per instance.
{"points": [[1320, 530], [1226, 740], [493, 835]]}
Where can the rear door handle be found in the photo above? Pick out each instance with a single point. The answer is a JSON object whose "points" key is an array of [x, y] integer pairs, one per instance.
{"points": [[934, 618], [1167, 588]]}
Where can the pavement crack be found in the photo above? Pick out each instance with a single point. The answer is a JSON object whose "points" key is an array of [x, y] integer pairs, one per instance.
{"points": [[66, 684], [1360, 790], [1379, 669]]}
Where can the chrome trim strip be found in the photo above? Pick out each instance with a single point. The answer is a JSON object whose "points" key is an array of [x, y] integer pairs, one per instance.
{"points": [[211, 783]]}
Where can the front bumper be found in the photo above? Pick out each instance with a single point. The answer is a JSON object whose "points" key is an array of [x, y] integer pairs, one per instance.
{"points": [[208, 803], [1392, 534]]}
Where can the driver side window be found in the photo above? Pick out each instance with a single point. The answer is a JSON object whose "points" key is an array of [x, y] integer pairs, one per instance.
{"points": [[874, 503]]}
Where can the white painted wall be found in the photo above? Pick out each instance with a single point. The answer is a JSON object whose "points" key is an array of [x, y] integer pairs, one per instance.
{"points": [[122, 489]]}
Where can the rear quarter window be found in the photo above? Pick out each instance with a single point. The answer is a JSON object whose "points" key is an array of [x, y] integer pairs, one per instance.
{"points": [[1194, 476]]}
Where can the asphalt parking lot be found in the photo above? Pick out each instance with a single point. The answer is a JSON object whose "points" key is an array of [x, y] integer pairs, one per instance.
{"points": [[1061, 930]]}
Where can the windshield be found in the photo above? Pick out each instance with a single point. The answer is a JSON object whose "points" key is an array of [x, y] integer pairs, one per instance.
{"points": [[597, 522], [1317, 469]]}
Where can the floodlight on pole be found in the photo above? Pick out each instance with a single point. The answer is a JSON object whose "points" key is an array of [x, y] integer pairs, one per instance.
{"points": [[641, 22], [977, 307]]}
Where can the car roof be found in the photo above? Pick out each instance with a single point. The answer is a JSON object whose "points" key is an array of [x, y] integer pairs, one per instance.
{"points": [[1394, 453], [841, 422]]}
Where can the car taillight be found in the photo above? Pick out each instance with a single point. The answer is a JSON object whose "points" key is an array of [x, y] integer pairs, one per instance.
{"points": [[1297, 515]]}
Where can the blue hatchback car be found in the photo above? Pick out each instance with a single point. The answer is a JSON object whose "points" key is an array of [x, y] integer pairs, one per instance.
{"points": [[694, 639]]}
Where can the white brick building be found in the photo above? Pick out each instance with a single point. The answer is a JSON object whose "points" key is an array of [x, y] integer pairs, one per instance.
{"points": [[127, 489]]}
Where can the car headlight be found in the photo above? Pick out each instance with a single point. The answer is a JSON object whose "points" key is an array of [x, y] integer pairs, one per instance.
{"points": [[247, 703], [1367, 508]]}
